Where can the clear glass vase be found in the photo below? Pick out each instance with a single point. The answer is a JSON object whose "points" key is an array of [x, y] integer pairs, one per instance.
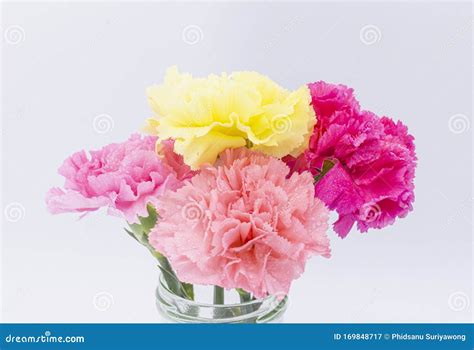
{"points": [[174, 308]]}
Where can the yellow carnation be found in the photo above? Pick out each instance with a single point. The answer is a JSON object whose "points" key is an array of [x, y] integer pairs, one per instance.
{"points": [[207, 115]]}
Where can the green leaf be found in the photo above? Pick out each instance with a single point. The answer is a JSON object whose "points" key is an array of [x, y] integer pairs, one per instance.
{"points": [[137, 232], [148, 222], [132, 234], [327, 165], [189, 289], [140, 233], [174, 284], [171, 281]]}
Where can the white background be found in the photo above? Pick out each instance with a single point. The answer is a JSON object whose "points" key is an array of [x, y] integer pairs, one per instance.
{"points": [[64, 64]]}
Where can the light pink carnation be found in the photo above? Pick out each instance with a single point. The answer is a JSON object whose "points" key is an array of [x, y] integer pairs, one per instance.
{"points": [[242, 224], [123, 177], [371, 183]]}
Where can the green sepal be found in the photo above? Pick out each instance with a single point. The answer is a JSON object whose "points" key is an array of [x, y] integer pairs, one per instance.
{"points": [[327, 165], [140, 231], [148, 222]]}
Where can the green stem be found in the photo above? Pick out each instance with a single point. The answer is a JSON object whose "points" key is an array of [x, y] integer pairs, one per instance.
{"points": [[218, 295], [184, 290], [140, 231], [168, 274], [243, 295]]}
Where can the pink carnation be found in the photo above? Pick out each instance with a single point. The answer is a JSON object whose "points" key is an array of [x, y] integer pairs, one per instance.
{"points": [[371, 182], [124, 177], [242, 224]]}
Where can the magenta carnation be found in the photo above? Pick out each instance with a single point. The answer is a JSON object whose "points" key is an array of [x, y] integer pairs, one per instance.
{"points": [[374, 159], [242, 224], [124, 177], [327, 99]]}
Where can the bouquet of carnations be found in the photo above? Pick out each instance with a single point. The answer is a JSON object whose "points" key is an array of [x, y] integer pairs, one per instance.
{"points": [[234, 183]]}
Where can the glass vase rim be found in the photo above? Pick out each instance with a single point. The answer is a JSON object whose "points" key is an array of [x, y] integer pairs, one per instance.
{"points": [[162, 282]]}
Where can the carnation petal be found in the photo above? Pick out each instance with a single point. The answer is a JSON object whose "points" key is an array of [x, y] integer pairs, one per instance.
{"points": [[250, 219]]}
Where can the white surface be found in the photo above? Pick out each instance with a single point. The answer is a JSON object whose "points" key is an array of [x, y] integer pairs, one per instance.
{"points": [[73, 62]]}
